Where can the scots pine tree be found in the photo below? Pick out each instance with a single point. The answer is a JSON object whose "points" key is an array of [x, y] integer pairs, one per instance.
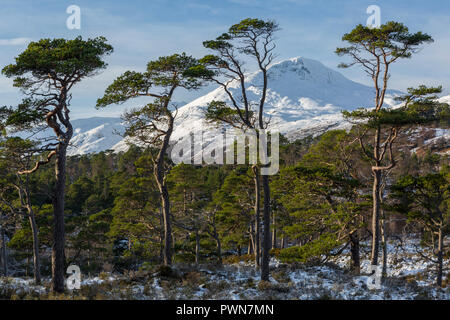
{"points": [[251, 39], [375, 50], [153, 123], [46, 72]]}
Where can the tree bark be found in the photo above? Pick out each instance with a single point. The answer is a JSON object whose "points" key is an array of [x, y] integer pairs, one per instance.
{"points": [[440, 258], [376, 216], [161, 236], [164, 194], [4, 254], [354, 249], [384, 246], [250, 245], [58, 255], [34, 232], [383, 232], [274, 233], [36, 257], [197, 247], [219, 250], [266, 234], [257, 241]]}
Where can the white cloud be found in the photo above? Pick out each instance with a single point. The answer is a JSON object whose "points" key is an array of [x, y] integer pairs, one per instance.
{"points": [[14, 41]]}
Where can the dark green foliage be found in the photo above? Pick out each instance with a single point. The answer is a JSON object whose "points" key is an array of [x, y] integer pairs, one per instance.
{"points": [[311, 251], [392, 37], [424, 198], [420, 107], [178, 70], [58, 58], [44, 68], [322, 198]]}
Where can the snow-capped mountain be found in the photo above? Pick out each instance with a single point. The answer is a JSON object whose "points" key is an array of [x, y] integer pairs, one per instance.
{"points": [[95, 135], [304, 98]]}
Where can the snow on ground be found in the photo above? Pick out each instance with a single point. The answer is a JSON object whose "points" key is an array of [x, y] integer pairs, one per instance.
{"points": [[409, 277]]}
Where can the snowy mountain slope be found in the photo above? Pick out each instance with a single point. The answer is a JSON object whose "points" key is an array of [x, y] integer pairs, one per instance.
{"points": [[95, 135], [304, 98], [90, 135], [445, 99]]}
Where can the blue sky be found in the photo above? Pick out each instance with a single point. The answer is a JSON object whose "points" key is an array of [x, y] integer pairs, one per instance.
{"points": [[143, 30]]}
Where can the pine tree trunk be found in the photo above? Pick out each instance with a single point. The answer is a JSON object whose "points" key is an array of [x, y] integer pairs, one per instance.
{"points": [[4, 254], [161, 236], [167, 224], [383, 235], [274, 233], [58, 255], [257, 241], [36, 257], [197, 247], [34, 233], [384, 247], [250, 245], [89, 259], [219, 250], [266, 234], [354, 249], [376, 217], [440, 257], [159, 174]]}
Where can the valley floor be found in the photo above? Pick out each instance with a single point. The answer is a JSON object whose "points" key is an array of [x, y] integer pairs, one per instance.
{"points": [[409, 277]]}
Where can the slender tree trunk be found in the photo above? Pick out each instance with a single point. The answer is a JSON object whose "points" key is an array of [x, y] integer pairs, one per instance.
{"points": [[384, 246], [440, 257], [167, 224], [36, 257], [89, 259], [4, 254], [376, 216], [58, 255], [197, 247], [257, 241], [274, 233], [250, 243], [283, 242], [383, 233], [161, 236], [34, 232], [165, 204], [354, 249], [219, 249], [266, 234], [266, 245], [159, 174]]}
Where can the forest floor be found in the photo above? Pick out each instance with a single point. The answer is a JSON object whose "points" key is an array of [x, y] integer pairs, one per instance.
{"points": [[410, 276]]}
